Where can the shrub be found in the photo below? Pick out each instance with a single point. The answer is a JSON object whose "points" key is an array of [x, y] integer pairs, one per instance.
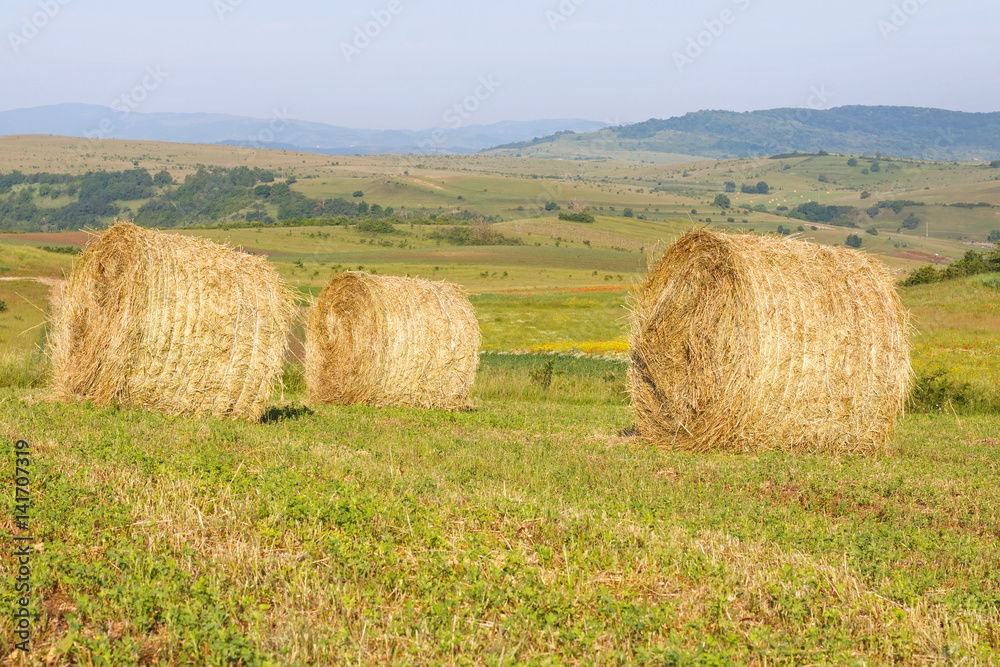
{"points": [[576, 217], [923, 276], [853, 241], [872, 231], [937, 391], [376, 226], [853, 162], [543, 376]]}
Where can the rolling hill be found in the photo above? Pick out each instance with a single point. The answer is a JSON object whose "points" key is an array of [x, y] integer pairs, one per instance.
{"points": [[903, 132], [281, 131]]}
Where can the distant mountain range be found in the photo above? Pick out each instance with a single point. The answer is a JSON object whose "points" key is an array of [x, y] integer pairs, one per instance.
{"points": [[905, 132], [280, 131]]}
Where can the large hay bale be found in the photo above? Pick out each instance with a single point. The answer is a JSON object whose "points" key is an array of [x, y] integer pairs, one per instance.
{"points": [[176, 324], [383, 340], [748, 343]]}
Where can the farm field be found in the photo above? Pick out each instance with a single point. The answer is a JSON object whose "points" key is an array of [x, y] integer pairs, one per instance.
{"points": [[535, 528]]}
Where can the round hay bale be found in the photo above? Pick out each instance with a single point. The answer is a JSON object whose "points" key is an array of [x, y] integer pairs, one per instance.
{"points": [[747, 343], [176, 324], [384, 340]]}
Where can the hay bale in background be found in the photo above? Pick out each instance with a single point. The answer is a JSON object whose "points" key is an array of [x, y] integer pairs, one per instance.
{"points": [[172, 323], [749, 343], [383, 340]]}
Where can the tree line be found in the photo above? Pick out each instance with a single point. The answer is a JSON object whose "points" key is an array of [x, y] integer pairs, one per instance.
{"points": [[211, 195]]}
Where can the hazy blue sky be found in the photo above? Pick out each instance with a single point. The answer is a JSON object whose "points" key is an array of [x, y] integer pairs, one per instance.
{"points": [[594, 59]]}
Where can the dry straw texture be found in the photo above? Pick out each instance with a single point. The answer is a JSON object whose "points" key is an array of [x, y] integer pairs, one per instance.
{"points": [[172, 323], [747, 343], [383, 340]]}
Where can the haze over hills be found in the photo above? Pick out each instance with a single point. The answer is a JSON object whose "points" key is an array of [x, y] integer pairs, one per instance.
{"points": [[904, 132], [281, 131]]}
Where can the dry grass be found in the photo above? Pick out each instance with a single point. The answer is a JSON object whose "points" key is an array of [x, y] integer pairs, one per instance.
{"points": [[749, 343], [382, 340], [171, 323]]}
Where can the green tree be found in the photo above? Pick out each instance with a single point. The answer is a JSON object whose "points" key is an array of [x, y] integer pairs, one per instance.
{"points": [[853, 241], [730, 186], [853, 162], [994, 236], [995, 164], [551, 206], [163, 178], [628, 213], [911, 221], [763, 188], [359, 193], [923, 276], [876, 167], [722, 201]]}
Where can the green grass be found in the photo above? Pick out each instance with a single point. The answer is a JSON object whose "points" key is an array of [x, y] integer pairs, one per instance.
{"points": [[956, 349], [531, 529], [534, 528], [22, 325], [525, 319]]}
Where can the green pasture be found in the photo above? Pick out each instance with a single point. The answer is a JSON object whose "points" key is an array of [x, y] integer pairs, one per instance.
{"points": [[533, 529]]}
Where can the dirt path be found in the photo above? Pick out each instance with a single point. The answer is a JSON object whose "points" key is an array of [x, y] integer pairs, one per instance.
{"points": [[57, 285], [422, 182]]}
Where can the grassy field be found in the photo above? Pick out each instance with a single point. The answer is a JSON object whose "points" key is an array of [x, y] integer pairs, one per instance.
{"points": [[534, 528], [516, 189]]}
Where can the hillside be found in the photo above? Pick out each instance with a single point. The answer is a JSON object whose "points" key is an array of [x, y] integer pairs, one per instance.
{"points": [[373, 210], [903, 132], [281, 131]]}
